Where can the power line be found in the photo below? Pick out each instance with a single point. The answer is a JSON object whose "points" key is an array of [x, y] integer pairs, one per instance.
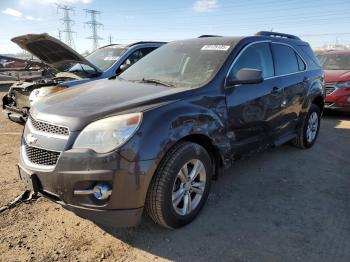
{"points": [[94, 24], [68, 23]]}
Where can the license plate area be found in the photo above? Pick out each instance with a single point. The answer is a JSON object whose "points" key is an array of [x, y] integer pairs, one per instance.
{"points": [[29, 179]]}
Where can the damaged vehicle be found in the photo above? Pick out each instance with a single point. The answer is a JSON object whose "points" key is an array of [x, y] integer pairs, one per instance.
{"points": [[71, 69], [163, 129], [337, 77]]}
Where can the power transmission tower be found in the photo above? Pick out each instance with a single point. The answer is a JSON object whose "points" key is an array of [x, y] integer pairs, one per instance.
{"points": [[68, 23], [94, 24]]}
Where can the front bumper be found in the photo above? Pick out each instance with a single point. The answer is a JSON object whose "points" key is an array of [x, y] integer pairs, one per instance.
{"points": [[81, 170], [14, 113], [117, 218]]}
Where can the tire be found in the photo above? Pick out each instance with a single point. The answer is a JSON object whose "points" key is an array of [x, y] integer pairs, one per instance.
{"points": [[168, 193], [304, 140]]}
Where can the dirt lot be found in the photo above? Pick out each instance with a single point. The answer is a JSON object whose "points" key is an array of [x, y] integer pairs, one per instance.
{"points": [[282, 205]]}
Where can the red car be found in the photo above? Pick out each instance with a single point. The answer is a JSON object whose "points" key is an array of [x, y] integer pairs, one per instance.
{"points": [[336, 65]]}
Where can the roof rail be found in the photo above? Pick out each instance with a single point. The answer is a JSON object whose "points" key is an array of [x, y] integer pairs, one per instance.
{"points": [[203, 36], [275, 34], [146, 42]]}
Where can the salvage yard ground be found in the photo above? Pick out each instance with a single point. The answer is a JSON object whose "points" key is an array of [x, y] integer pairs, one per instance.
{"points": [[282, 205]]}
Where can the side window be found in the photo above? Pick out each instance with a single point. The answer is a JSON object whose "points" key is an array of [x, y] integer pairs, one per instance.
{"points": [[134, 57], [146, 51], [285, 59], [301, 63], [138, 54], [257, 56]]}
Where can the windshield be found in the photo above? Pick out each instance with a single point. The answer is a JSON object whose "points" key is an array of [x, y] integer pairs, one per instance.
{"points": [[335, 61], [102, 58], [189, 63]]}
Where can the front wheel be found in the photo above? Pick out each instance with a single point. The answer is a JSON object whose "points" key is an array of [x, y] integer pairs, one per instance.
{"points": [[180, 187], [310, 129]]}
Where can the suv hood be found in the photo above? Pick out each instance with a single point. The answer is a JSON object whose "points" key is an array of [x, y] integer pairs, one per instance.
{"points": [[51, 51], [332, 76], [79, 106]]}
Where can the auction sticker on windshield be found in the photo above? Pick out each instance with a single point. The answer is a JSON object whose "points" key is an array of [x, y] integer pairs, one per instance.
{"points": [[216, 47], [111, 58]]}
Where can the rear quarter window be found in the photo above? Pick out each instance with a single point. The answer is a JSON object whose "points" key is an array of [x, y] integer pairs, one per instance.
{"points": [[310, 57]]}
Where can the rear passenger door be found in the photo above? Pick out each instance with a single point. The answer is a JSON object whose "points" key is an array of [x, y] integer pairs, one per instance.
{"points": [[290, 72], [254, 110]]}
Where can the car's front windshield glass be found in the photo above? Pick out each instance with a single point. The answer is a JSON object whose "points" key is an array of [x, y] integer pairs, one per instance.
{"points": [[188, 63], [335, 61], [102, 58]]}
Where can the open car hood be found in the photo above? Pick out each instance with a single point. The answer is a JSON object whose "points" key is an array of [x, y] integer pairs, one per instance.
{"points": [[51, 51]]}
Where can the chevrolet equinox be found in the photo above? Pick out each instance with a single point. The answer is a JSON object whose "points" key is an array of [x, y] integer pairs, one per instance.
{"points": [[154, 137]]}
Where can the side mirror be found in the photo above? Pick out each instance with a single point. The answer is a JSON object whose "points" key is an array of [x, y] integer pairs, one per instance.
{"points": [[246, 76]]}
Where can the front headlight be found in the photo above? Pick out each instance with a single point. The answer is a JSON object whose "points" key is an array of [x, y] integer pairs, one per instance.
{"points": [[343, 84], [107, 134]]}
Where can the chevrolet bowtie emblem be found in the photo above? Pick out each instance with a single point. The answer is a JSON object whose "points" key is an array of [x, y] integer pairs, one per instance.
{"points": [[31, 139]]}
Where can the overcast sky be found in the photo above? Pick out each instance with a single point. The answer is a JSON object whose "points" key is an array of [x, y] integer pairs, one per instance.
{"points": [[319, 22]]}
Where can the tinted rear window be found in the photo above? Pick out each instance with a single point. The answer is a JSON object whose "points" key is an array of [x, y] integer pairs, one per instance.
{"points": [[301, 63], [285, 59]]}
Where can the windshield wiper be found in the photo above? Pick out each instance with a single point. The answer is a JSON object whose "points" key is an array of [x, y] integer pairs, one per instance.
{"points": [[157, 81]]}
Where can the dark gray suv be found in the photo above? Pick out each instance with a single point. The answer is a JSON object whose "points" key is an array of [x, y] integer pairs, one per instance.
{"points": [[155, 137]]}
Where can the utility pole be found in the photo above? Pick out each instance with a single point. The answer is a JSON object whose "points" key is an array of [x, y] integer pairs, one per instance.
{"points": [[68, 23], [60, 35], [94, 24], [110, 39]]}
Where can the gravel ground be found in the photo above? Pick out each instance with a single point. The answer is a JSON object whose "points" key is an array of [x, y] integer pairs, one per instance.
{"points": [[285, 204]]}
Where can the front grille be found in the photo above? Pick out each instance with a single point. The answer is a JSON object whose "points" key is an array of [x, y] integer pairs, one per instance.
{"points": [[49, 128], [330, 90], [41, 156]]}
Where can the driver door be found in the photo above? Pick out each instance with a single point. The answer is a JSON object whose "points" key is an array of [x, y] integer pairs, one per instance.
{"points": [[254, 110]]}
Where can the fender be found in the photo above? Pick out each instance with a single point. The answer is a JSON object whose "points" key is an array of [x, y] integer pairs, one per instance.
{"points": [[163, 127]]}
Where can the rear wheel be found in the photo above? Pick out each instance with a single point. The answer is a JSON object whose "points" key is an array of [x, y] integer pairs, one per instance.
{"points": [[310, 129], [180, 187]]}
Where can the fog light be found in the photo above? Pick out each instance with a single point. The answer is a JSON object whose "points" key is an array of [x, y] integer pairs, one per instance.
{"points": [[102, 191]]}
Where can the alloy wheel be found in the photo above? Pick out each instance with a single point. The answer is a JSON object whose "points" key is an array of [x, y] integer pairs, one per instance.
{"points": [[189, 186], [312, 127]]}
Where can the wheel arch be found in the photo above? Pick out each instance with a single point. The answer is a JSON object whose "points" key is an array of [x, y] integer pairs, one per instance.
{"points": [[319, 101], [207, 143]]}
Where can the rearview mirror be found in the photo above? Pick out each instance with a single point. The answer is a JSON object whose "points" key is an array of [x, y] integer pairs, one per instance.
{"points": [[246, 76]]}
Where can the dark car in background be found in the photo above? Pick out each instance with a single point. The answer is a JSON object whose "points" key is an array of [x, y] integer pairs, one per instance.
{"points": [[156, 136], [336, 64], [72, 69]]}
